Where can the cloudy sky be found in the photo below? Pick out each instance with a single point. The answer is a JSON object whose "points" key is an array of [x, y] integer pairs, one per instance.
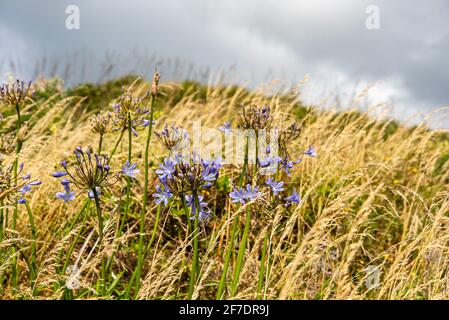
{"points": [[407, 58]]}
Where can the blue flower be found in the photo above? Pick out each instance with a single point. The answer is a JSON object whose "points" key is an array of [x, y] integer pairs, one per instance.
{"points": [[130, 169], [91, 195], [237, 196], [268, 161], [251, 193], [287, 164], [226, 127], [59, 174], [203, 212], [310, 152], [294, 198], [67, 195], [162, 195], [166, 169], [275, 186]]}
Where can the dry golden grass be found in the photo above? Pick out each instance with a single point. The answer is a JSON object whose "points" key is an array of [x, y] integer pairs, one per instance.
{"points": [[373, 197]]}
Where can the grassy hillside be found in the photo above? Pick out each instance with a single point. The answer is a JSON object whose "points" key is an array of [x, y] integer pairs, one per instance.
{"points": [[372, 222]]}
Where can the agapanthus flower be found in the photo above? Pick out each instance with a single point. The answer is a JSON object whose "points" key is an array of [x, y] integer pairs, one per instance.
{"points": [[237, 196], [184, 176], [288, 164], [203, 212], [15, 93], [91, 194], [101, 123], [275, 186], [226, 128], [162, 195], [128, 109], [172, 137], [130, 170], [251, 193], [245, 194], [89, 172], [12, 191], [256, 118], [310, 152], [294, 198], [166, 169], [67, 195]]}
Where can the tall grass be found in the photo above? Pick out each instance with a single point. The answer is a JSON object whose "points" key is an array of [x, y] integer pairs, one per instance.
{"points": [[376, 196]]}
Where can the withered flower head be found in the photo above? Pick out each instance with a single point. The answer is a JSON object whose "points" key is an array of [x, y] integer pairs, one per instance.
{"points": [[129, 109], [172, 137], [155, 84], [101, 123], [287, 136], [256, 118], [15, 93]]}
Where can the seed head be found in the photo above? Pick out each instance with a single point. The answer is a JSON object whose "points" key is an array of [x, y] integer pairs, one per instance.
{"points": [[15, 93], [101, 123]]}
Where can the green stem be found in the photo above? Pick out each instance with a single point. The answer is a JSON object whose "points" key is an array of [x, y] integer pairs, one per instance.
{"points": [[262, 267], [227, 259], [194, 270], [116, 145], [100, 143], [242, 248], [33, 245], [145, 201], [72, 247], [15, 270]]}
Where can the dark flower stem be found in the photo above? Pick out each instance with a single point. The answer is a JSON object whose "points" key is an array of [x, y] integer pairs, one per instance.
{"points": [[145, 199], [116, 144], [14, 217], [100, 143], [195, 267], [33, 245], [99, 215], [262, 267]]}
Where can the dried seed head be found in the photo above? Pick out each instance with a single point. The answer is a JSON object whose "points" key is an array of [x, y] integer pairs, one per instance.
{"points": [[15, 93], [256, 118], [101, 123], [129, 108], [286, 137], [155, 84], [172, 137]]}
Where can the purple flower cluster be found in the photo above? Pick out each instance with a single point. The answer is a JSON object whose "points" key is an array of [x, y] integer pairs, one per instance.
{"points": [[15, 93], [90, 173], [246, 194], [285, 163], [27, 186], [184, 178]]}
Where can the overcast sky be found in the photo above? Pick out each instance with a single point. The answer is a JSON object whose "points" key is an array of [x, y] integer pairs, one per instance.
{"points": [[408, 57]]}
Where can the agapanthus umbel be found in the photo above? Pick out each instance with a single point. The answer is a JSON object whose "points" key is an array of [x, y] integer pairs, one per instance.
{"points": [[184, 178], [90, 172], [129, 109], [101, 123], [256, 118], [11, 191], [246, 194], [286, 137], [15, 93], [172, 137]]}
